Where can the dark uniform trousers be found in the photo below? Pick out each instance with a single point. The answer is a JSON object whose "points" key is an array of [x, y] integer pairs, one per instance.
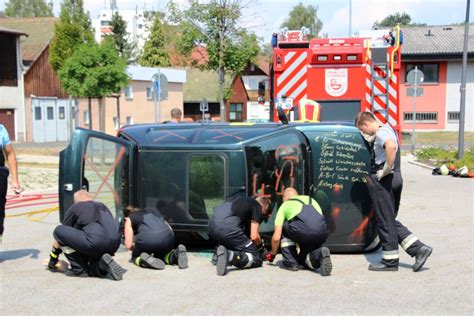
{"points": [[384, 206], [308, 229], [406, 239], [227, 230], [158, 243], [84, 248], [3, 194]]}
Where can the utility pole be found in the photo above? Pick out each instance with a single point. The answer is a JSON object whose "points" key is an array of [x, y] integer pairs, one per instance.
{"points": [[350, 18], [462, 108]]}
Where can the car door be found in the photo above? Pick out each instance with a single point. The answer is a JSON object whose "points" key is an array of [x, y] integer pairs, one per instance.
{"points": [[100, 164], [341, 163]]}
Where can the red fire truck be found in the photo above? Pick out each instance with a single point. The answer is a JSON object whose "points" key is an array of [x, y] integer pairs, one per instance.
{"points": [[330, 79]]}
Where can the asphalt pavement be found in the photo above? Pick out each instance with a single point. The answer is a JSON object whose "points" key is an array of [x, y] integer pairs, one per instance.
{"points": [[438, 209]]}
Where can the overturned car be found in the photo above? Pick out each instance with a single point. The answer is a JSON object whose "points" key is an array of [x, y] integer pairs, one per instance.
{"points": [[185, 170]]}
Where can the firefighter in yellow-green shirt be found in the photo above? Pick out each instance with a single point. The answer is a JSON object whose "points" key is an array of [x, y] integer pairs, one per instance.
{"points": [[300, 220]]}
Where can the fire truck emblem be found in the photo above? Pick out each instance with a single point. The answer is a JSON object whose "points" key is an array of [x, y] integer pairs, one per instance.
{"points": [[336, 81]]}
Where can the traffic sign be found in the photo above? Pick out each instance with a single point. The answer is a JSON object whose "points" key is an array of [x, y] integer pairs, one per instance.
{"points": [[160, 85], [204, 106], [411, 92], [415, 76], [285, 103]]}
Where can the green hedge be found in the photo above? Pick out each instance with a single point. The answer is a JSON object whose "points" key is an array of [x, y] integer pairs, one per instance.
{"points": [[440, 156]]}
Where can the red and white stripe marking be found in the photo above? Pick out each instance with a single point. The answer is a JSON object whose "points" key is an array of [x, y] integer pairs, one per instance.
{"points": [[292, 82]]}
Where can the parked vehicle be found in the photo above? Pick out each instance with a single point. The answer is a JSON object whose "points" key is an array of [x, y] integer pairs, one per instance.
{"points": [[327, 79], [185, 170]]}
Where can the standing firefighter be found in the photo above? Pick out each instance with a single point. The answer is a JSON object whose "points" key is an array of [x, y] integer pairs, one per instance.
{"points": [[7, 148], [385, 187], [300, 221], [230, 226], [88, 236], [151, 240]]}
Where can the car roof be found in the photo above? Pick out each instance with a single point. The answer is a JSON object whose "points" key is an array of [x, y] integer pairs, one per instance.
{"points": [[219, 135]]}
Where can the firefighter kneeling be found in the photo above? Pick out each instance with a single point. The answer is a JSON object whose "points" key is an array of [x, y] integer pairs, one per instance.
{"points": [[229, 226], [300, 221]]}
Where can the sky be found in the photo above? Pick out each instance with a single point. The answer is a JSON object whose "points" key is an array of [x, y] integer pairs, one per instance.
{"points": [[264, 17]]}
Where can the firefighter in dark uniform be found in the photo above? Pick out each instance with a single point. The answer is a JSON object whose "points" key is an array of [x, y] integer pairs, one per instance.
{"points": [[230, 226], [6, 149], [89, 237], [151, 240], [300, 220], [385, 186]]}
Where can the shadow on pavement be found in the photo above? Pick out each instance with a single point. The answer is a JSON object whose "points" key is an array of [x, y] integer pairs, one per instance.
{"points": [[19, 253]]}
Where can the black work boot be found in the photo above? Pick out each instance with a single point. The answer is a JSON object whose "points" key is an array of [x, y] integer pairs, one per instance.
{"points": [[112, 268], [148, 261], [54, 258], [289, 266], [222, 260], [325, 264], [384, 266], [214, 257], [76, 274], [421, 255], [181, 256]]}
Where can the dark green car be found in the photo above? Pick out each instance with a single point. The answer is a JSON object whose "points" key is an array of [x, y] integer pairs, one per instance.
{"points": [[185, 170]]}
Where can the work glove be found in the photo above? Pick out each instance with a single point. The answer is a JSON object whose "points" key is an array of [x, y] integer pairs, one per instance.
{"points": [[270, 257], [386, 170]]}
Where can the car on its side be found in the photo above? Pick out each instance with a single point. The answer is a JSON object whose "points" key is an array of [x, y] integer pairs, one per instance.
{"points": [[185, 170]]}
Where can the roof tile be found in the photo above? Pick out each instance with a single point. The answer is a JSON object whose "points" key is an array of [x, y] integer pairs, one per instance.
{"points": [[40, 33], [422, 40]]}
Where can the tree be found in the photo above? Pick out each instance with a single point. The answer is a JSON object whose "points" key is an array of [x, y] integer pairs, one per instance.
{"points": [[120, 37], [393, 19], [94, 71], [72, 30], [215, 26], [301, 16], [155, 52], [28, 8]]}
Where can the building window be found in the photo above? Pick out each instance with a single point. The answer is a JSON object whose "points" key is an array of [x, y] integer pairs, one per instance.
{"points": [[149, 93], [104, 23], [430, 72], [128, 91], [235, 114], [116, 123], [129, 120], [62, 113], [86, 117], [454, 116], [50, 113], [37, 113], [8, 61], [421, 117]]}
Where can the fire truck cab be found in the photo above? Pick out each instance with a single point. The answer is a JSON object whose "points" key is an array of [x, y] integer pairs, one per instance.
{"points": [[329, 79]]}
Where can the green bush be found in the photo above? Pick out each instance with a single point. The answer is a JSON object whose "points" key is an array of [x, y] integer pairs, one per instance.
{"points": [[440, 156]]}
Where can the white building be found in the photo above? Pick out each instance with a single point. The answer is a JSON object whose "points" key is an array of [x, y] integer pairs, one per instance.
{"points": [[137, 26]]}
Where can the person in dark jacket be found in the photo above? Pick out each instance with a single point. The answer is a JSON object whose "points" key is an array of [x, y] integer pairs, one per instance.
{"points": [[89, 237], [151, 240], [235, 227], [385, 187]]}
